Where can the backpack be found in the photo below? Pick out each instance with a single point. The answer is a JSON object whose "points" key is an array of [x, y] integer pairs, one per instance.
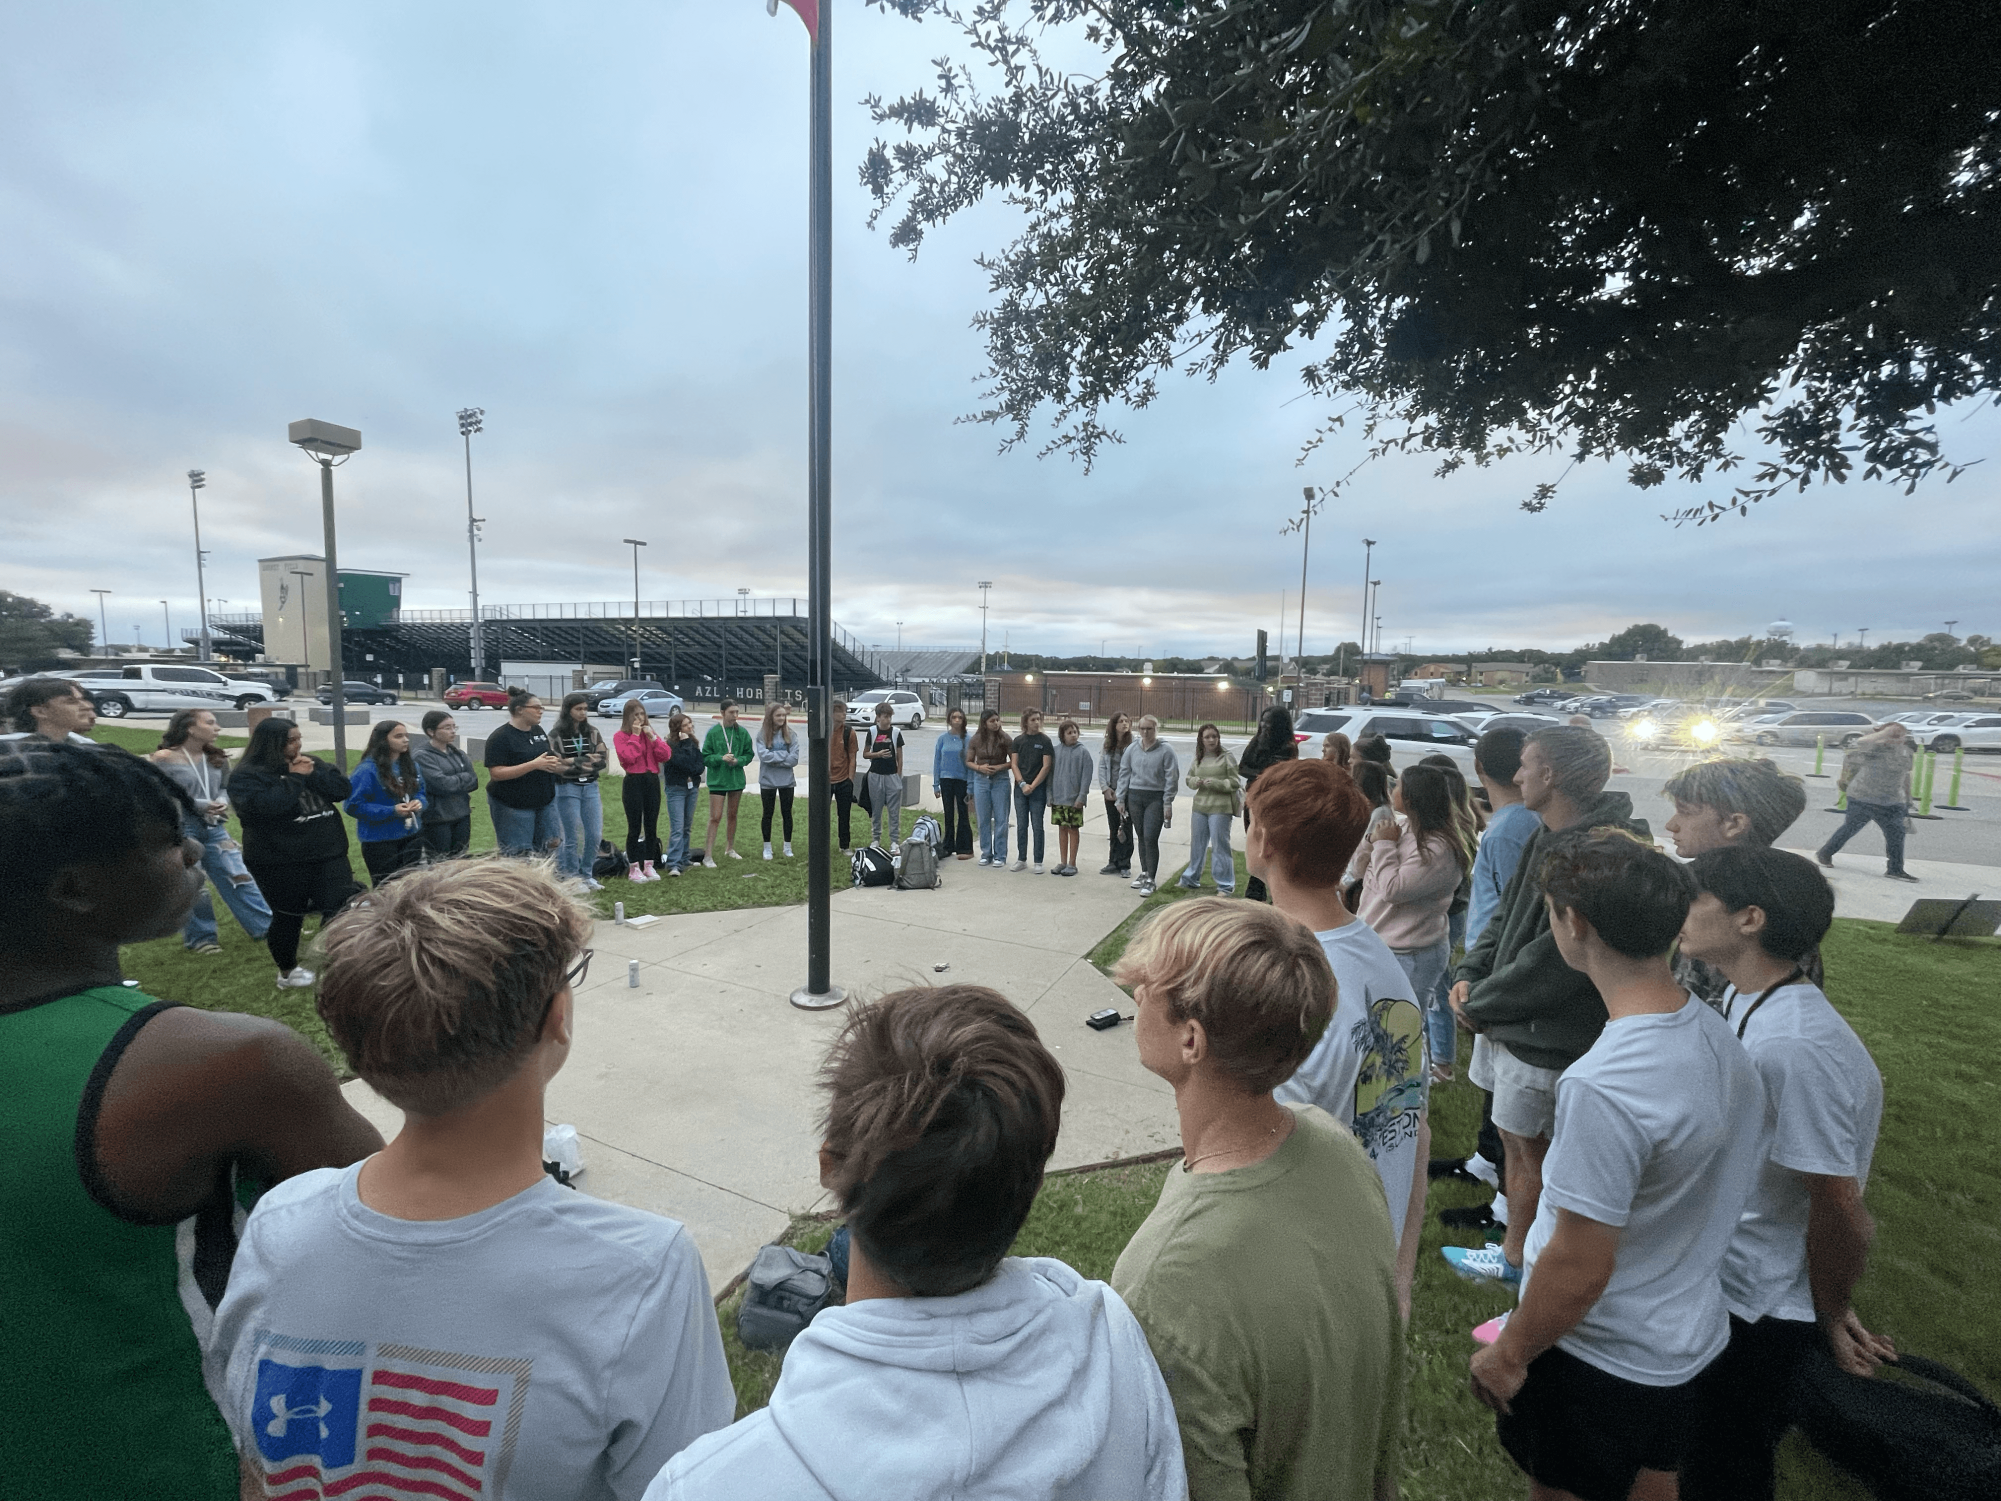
{"points": [[782, 1291], [1937, 1438], [610, 863], [926, 828], [871, 867], [920, 866]]}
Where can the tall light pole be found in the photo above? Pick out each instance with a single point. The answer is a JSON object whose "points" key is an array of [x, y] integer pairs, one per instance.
{"points": [[166, 625], [635, 544], [103, 621], [327, 445], [1303, 524], [985, 585], [305, 636], [470, 423], [1374, 638], [1862, 637], [197, 480], [1362, 641]]}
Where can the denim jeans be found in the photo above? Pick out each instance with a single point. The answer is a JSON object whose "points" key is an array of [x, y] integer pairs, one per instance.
{"points": [[1209, 834], [680, 816], [222, 862], [525, 831], [1426, 967], [449, 837], [1028, 810], [990, 804], [580, 815], [1889, 817]]}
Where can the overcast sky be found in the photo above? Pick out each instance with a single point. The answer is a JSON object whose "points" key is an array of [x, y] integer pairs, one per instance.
{"points": [[591, 222]]}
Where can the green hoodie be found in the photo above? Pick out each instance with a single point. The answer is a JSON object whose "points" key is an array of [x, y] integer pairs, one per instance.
{"points": [[727, 740], [1523, 993]]}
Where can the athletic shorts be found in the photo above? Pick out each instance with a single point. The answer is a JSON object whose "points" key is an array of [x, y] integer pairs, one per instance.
{"points": [[1066, 817], [1524, 1095], [1576, 1428]]}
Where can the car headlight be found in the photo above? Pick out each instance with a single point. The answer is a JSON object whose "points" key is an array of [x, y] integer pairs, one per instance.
{"points": [[1645, 729], [1703, 731]]}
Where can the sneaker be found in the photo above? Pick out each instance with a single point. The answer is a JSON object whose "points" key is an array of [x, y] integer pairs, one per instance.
{"points": [[675, 871], [788, 849], [1900, 875], [1488, 1264], [1136, 882], [733, 854], [1037, 867], [1473, 1217], [295, 979], [592, 883], [984, 861], [1189, 885], [1226, 891], [1483, 1170], [1146, 888], [1021, 865], [767, 852], [1110, 870], [709, 861], [205, 948], [1824, 858], [1487, 1333], [1066, 870]]}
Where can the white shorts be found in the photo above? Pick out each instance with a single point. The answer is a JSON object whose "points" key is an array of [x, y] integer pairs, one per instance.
{"points": [[1524, 1095]]}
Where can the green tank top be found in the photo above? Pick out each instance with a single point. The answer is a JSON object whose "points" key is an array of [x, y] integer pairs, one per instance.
{"points": [[100, 1368]]}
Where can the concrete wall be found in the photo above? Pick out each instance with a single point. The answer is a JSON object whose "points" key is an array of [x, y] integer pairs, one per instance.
{"points": [[1690, 679]]}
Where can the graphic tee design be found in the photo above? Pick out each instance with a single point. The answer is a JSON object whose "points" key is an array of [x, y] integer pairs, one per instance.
{"points": [[1389, 1085], [342, 1418]]}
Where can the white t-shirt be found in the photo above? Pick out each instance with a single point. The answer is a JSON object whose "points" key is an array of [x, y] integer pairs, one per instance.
{"points": [[554, 1346], [1826, 1102], [1660, 1128], [1368, 1069]]}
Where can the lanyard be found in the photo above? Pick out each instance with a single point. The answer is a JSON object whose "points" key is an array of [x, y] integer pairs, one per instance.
{"points": [[202, 770], [1764, 996]]}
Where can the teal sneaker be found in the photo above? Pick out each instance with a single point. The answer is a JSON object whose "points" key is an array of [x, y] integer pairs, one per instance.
{"points": [[1488, 1264]]}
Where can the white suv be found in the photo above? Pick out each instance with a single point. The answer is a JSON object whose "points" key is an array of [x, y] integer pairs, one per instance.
{"points": [[906, 708], [118, 691]]}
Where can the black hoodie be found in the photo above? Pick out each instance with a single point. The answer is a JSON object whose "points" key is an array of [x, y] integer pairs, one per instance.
{"points": [[288, 817]]}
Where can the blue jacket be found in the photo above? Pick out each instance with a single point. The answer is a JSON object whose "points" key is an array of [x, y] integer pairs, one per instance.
{"points": [[1508, 833], [948, 759], [372, 806]]}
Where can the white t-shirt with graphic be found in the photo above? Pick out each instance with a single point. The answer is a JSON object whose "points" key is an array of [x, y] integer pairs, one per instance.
{"points": [[1368, 1069], [554, 1346], [1826, 1103], [1660, 1128]]}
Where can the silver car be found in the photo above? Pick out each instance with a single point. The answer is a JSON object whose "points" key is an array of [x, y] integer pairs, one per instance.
{"points": [[1842, 727]]}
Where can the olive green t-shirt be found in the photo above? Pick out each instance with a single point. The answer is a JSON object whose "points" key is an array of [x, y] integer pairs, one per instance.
{"points": [[1268, 1295]]}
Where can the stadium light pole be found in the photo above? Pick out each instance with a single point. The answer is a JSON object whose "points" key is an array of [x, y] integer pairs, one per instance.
{"points": [[197, 480], [635, 544], [985, 585], [1303, 524], [471, 420], [103, 620], [328, 445], [166, 625], [1362, 641]]}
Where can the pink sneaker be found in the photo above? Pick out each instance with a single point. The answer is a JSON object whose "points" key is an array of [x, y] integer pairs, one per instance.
{"points": [[1490, 1331]]}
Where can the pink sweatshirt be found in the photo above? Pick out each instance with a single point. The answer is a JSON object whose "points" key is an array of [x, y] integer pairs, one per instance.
{"points": [[1407, 892], [641, 755]]}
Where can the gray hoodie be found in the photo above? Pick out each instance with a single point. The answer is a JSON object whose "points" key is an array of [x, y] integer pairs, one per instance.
{"points": [[449, 780], [1143, 770], [1070, 782]]}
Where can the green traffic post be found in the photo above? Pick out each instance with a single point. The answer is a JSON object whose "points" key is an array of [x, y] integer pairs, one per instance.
{"points": [[1952, 792], [1819, 756], [1927, 765], [1840, 802]]}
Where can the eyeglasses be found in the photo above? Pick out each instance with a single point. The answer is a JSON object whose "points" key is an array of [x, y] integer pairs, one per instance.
{"points": [[572, 978]]}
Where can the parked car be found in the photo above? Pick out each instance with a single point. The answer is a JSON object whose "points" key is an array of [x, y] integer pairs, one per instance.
{"points": [[475, 696], [1842, 727], [1674, 724], [357, 693], [1758, 708], [1528, 724], [598, 692], [1392, 723], [908, 707], [152, 689], [276, 682], [1974, 731], [657, 702], [1549, 695], [1606, 705], [1950, 696]]}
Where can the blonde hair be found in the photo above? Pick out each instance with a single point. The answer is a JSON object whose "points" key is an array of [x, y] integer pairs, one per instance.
{"points": [[1257, 981], [769, 728]]}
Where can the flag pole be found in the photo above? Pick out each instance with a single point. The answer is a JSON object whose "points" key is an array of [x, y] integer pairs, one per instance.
{"points": [[819, 992]]}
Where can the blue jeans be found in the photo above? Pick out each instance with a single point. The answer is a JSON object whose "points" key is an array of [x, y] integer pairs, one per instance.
{"points": [[680, 816], [525, 831], [222, 862], [1427, 969], [580, 813], [1210, 835], [1889, 817], [990, 804], [1028, 810]]}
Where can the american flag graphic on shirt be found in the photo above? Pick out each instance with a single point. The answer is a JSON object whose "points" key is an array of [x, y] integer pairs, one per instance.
{"points": [[341, 1418]]}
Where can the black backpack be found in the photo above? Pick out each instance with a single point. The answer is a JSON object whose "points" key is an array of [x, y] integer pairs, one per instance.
{"points": [[611, 863], [1936, 1437], [871, 867]]}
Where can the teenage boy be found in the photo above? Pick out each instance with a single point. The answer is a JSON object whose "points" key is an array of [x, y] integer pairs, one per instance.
{"points": [[50, 709], [1660, 1128], [882, 749], [1265, 1277], [952, 1368], [128, 1122], [1731, 800], [1539, 1015], [444, 1311], [1367, 1069], [1801, 1246]]}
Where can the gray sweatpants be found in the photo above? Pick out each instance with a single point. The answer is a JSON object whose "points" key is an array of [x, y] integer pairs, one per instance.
{"points": [[885, 795]]}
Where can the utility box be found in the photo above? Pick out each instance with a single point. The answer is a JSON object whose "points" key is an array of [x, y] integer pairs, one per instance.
{"points": [[438, 676]]}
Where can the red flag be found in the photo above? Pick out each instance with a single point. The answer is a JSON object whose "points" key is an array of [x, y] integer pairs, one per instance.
{"points": [[809, 12]]}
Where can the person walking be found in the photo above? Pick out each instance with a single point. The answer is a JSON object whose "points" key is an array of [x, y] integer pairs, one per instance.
{"points": [[521, 780], [948, 775], [989, 754], [294, 840], [1118, 735], [777, 755], [841, 748], [191, 759], [1069, 789], [1033, 759], [579, 805], [883, 750], [450, 779], [1217, 786], [1148, 776], [387, 803], [681, 772], [1876, 775], [726, 751], [641, 753], [1414, 869]]}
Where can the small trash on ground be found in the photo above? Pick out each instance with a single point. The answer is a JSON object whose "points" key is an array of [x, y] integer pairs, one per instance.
{"points": [[562, 1158], [939, 969]]}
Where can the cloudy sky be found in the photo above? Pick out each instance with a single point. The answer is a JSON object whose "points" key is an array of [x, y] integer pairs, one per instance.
{"points": [[590, 220]]}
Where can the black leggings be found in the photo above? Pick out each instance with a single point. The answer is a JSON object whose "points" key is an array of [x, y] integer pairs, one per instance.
{"points": [[843, 793], [1148, 813], [958, 816], [295, 890], [449, 837], [780, 797], [384, 857], [641, 797]]}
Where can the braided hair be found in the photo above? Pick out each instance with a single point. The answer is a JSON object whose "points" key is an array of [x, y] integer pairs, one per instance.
{"points": [[63, 805]]}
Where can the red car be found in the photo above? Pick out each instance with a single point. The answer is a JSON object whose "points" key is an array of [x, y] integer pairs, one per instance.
{"points": [[475, 696]]}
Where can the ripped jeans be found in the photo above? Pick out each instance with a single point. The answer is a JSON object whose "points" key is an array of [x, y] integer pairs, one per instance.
{"points": [[222, 862]]}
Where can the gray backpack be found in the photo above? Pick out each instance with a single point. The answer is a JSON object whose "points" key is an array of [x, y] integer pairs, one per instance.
{"points": [[919, 870], [782, 1291]]}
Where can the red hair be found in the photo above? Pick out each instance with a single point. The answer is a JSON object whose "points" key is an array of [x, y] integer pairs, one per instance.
{"points": [[1311, 816]]}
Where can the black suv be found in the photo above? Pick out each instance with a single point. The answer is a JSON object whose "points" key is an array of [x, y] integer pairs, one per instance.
{"points": [[599, 692], [357, 693]]}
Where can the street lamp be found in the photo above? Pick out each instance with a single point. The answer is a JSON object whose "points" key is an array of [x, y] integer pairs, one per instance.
{"points": [[1362, 641], [327, 445], [166, 625], [1303, 524], [103, 622], [1862, 637], [635, 544], [985, 585], [469, 423], [197, 480]]}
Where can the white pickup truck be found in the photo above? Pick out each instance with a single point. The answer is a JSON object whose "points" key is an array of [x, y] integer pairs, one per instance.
{"points": [[153, 689]]}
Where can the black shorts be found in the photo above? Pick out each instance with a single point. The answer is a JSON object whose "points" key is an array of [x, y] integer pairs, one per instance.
{"points": [[1579, 1429]]}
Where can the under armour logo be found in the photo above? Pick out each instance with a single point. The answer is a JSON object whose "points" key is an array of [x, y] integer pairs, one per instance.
{"points": [[312, 1410], [285, 1414]]}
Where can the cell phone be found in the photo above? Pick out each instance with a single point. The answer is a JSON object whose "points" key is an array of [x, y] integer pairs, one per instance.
{"points": [[1100, 1021]]}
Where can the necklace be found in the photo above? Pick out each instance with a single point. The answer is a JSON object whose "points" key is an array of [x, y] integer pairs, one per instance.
{"points": [[1188, 1164]]}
